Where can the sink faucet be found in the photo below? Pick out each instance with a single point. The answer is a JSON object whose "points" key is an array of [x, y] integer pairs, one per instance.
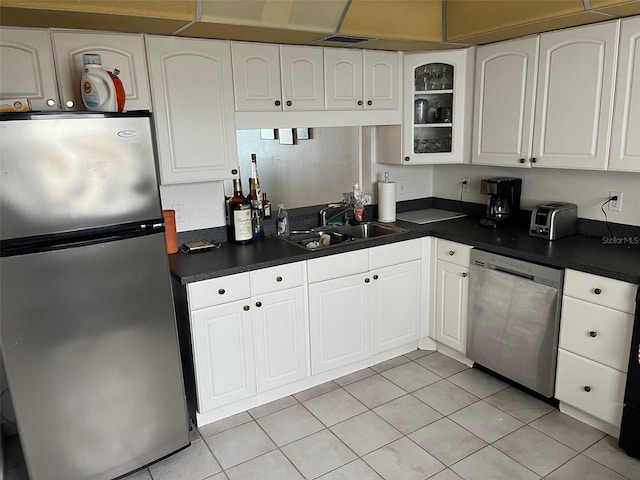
{"points": [[323, 212]]}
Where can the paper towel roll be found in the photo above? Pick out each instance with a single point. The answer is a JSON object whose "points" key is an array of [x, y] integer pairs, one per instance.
{"points": [[386, 202]]}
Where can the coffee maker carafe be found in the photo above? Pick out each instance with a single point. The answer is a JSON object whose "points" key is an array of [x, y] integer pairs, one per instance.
{"points": [[504, 201]]}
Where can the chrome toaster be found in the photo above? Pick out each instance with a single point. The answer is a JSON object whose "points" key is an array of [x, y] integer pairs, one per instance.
{"points": [[554, 220]]}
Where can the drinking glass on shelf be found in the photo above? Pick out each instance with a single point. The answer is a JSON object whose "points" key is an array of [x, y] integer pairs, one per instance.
{"points": [[447, 77], [421, 78], [435, 75]]}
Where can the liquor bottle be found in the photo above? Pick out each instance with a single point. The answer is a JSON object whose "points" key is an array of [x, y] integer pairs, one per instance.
{"points": [[266, 205], [239, 215], [256, 196], [257, 225]]}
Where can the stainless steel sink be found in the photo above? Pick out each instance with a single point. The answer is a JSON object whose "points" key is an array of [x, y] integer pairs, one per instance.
{"points": [[310, 239]]}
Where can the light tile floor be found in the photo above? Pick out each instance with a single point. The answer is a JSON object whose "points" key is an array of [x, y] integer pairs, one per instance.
{"points": [[418, 416]]}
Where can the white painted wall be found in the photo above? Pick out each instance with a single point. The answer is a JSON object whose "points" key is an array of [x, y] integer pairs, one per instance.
{"points": [[587, 189], [202, 204]]}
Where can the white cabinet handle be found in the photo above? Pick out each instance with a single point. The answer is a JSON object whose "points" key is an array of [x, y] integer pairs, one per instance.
{"points": [[69, 103], [51, 102]]}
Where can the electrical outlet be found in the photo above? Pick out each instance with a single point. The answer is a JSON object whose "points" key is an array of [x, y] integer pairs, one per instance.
{"points": [[615, 205], [179, 208], [401, 187], [466, 182]]}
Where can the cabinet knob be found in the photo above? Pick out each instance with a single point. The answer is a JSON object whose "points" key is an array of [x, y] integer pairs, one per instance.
{"points": [[258, 304], [597, 291], [586, 388], [278, 103], [534, 160], [278, 278], [222, 291], [51, 102], [375, 277], [234, 171], [465, 274], [593, 334], [452, 252], [369, 102], [289, 103], [69, 103], [360, 102], [522, 160], [246, 308], [367, 280], [406, 159]]}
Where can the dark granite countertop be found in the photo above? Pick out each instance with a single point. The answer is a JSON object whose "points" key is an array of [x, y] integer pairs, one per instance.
{"points": [[589, 254]]}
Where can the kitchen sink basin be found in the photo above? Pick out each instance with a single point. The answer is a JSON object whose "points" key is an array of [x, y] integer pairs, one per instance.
{"points": [[311, 239]]}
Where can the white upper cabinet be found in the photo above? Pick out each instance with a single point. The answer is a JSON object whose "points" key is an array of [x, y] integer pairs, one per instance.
{"points": [[625, 137], [504, 94], [343, 79], [27, 67], [192, 83], [438, 98], [271, 78], [256, 77], [574, 97], [301, 71], [357, 80], [124, 52]]}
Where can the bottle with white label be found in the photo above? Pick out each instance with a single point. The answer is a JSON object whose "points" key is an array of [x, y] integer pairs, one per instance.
{"points": [[240, 230], [97, 87]]}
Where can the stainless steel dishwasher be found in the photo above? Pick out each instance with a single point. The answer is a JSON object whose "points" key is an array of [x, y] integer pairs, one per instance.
{"points": [[514, 318]]}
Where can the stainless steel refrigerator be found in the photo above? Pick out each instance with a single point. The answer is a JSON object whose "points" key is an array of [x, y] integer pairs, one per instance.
{"points": [[88, 328]]}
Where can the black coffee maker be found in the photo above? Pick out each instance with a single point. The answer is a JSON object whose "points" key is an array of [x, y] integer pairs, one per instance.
{"points": [[504, 201]]}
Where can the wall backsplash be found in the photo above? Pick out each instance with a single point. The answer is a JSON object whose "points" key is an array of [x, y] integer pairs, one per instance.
{"points": [[587, 189]]}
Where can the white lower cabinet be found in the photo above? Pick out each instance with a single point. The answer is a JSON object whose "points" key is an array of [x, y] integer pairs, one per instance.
{"points": [[595, 337], [248, 334], [339, 320], [279, 322], [452, 294], [363, 303], [223, 348]]}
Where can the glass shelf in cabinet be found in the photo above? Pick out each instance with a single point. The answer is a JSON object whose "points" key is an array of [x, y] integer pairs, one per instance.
{"points": [[433, 92], [432, 125]]}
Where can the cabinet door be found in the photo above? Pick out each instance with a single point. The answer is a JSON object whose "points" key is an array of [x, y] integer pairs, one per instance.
{"points": [[339, 322], [437, 107], [280, 335], [124, 52], [381, 80], [193, 103], [395, 305], [503, 113], [343, 79], [573, 98], [223, 354], [625, 141], [256, 77], [452, 298], [27, 67], [302, 77]]}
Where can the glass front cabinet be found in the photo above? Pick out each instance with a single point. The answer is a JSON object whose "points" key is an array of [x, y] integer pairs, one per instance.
{"points": [[438, 101]]}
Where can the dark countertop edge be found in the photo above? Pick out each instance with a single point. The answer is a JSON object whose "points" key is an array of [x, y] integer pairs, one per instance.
{"points": [[288, 253]]}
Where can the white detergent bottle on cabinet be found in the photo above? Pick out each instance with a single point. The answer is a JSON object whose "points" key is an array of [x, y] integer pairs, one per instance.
{"points": [[98, 86]]}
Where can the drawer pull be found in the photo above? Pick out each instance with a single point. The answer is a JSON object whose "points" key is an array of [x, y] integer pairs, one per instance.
{"points": [[597, 291], [366, 280], [586, 388], [222, 291], [375, 277], [246, 308], [369, 102], [593, 334], [522, 160], [278, 103], [465, 275], [289, 103], [452, 253], [278, 278], [360, 102], [258, 304]]}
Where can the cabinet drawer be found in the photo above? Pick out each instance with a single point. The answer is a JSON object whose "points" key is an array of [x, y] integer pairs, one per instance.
{"points": [[395, 253], [272, 279], [336, 266], [217, 291], [453, 252], [601, 290], [590, 387], [595, 332]]}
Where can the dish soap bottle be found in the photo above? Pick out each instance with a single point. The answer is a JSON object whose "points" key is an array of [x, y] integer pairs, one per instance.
{"points": [[282, 221]]}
